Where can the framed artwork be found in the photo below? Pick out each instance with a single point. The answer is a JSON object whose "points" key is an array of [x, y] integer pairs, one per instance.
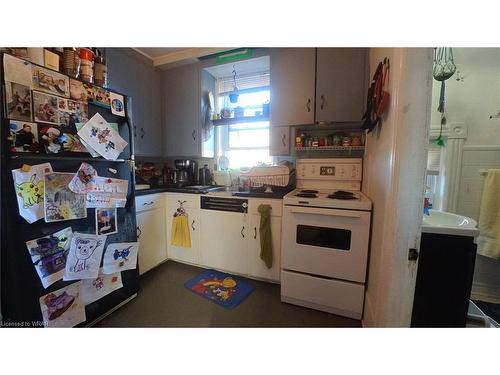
{"points": [[23, 136], [60, 202], [18, 101], [45, 108], [49, 81]]}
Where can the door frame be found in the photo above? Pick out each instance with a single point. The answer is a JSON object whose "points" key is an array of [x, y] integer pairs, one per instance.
{"points": [[401, 145]]}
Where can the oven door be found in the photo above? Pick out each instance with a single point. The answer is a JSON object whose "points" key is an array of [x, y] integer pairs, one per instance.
{"points": [[327, 242]]}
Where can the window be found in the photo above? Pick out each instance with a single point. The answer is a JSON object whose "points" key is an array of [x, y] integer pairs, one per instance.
{"points": [[245, 144]]}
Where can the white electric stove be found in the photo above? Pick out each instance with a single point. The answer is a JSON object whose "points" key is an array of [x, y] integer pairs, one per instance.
{"points": [[326, 231]]}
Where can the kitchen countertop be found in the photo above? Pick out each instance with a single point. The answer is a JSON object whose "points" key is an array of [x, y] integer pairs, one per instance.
{"points": [[220, 193]]}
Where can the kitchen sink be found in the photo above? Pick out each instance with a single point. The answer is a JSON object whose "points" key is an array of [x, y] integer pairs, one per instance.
{"points": [[442, 222]]}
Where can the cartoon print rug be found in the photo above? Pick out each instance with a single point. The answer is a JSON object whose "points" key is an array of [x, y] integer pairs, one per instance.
{"points": [[221, 288]]}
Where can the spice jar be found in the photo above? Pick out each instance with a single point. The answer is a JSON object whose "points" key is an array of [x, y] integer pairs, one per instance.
{"points": [[356, 140], [86, 64], [71, 61], [346, 141], [336, 140], [100, 72]]}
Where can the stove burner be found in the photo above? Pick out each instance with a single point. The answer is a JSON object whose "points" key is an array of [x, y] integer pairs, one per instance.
{"points": [[306, 195], [309, 191], [340, 194]]}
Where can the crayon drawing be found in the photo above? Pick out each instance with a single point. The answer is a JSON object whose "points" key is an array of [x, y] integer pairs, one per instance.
{"points": [[84, 256], [64, 307], [29, 185], [120, 257], [49, 254]]}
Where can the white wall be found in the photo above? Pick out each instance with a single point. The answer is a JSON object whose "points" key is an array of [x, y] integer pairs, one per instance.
{"points": [[476, 98], [394, 168]]}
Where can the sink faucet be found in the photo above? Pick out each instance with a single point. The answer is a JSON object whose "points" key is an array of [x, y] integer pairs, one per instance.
{"points": [[426, 207]]}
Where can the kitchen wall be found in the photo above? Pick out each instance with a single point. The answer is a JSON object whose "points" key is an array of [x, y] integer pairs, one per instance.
{"points": [[474, 96], [393, 178]]}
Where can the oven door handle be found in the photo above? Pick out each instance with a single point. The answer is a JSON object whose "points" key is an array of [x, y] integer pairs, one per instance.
{"points": [[300, 210]]}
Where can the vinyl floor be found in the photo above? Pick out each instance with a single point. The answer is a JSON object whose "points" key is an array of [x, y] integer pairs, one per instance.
{"points": [[163, 301]]}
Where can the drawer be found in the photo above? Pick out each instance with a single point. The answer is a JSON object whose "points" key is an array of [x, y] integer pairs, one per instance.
{"points": [[330, 295], [191, 200], [147, 202], [276, 206]]}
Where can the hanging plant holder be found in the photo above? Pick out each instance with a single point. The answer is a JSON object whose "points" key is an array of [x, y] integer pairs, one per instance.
{"points": [[443, 69], [233, 95]]}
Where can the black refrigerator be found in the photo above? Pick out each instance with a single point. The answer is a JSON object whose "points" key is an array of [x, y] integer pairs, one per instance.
{"points": [[20, 286]]}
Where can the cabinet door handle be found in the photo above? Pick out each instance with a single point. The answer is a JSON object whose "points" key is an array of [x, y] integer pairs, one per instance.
{"points": [[193, 134], [147, 204], [192, 225], [242, 234], [135, 131], [139, 232], [322, 102], [308, 105], [142, 133], [283, 140], [254, 233]]}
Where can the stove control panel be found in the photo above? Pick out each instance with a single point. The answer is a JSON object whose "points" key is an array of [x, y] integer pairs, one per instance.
{"points": [[330, 169]]}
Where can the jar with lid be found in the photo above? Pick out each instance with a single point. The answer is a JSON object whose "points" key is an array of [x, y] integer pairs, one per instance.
{"points": [[100, 72], [71, 61], [86, 64]]}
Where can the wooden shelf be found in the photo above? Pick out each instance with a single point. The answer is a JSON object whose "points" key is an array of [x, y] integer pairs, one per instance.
{"points": [[331, 148], [239, 120]]}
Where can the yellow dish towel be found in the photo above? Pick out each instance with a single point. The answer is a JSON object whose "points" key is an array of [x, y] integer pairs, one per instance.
{"points": [[180, 235], [488, 242]]}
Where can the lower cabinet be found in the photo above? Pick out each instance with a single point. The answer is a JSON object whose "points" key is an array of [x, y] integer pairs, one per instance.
{"points": [[257, 267], [227, 241], [190, 204], [151, 232], [224, 240]]}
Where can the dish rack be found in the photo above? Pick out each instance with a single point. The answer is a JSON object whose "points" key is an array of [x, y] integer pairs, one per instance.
{"points": [[274, 182]]}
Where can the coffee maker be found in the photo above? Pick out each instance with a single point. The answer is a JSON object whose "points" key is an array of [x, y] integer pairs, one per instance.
{"points": [[186, 172]]}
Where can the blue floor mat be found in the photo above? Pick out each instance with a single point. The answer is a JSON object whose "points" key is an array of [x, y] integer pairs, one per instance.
{"points": [[219, 287]]}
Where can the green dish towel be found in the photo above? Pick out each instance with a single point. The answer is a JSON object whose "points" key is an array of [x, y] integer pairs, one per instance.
{"points": [[266, 240]]}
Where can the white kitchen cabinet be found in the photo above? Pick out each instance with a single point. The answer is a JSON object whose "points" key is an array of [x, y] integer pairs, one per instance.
{"points": [[225, 240], [257, 267], [151, 234], [190, 202], [279, 140], [185, 254]]}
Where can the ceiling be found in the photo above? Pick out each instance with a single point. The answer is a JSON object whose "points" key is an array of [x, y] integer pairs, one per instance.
{"points": [[256, 65], [167, 57]]}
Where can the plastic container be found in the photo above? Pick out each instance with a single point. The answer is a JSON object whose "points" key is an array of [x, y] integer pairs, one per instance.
{"points": [[86, 65], [100, 72]]}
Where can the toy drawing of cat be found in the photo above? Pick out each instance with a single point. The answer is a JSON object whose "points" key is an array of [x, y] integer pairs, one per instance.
{"points": [[31, 192]]}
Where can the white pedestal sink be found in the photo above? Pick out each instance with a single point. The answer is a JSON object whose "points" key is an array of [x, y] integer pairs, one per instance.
{"points": [[442, 222]]}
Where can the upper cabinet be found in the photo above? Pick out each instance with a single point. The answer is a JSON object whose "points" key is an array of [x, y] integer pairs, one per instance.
{"points": [[341, 76], [183, 94], [321, 85], [292, 86], [136, 77]]}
